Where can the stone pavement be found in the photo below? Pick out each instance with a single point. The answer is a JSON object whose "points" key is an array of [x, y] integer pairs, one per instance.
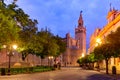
{"points": [[63, 74], [116, 77]]}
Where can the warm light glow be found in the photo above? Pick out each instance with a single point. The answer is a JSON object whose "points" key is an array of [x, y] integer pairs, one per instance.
{"points": [[83, 55], [4, 46], [96, 44], [98, 40], [50, 57], [14, 46]]}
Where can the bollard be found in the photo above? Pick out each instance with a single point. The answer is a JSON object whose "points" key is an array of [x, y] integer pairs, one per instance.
{"points": [[113, 70]]}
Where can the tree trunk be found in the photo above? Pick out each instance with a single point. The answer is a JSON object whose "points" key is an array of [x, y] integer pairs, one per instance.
{"points": [[93, 65], [41, 62], [106, 60], [98, 66]]}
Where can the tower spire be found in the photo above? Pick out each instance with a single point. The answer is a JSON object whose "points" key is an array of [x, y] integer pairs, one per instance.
{"points": [[110, 7], [80, 21]]}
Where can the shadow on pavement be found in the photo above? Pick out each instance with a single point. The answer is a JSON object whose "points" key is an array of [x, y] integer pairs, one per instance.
{"points": [[100, 77]]}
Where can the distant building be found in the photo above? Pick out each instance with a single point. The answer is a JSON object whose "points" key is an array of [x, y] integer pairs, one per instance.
{"points": [[75, 47]]}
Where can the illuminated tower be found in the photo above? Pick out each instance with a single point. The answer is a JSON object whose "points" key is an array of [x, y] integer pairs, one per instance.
{"points": [[80, 34]]}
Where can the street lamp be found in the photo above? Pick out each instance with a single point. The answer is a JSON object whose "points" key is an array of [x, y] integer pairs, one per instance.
{"points": [[10, 53], [14, 47], [50, 58], [83, 55], [98, 42]]}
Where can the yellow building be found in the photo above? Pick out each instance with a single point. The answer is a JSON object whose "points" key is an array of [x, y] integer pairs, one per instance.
{"points": [[113, 23]]}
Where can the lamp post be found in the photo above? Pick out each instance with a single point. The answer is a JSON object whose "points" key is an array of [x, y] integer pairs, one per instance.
{"points": [[50, 60], [13, 47]]}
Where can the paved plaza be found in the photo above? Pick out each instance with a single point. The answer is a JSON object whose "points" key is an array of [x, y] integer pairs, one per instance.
{"points": [[63, 74]]}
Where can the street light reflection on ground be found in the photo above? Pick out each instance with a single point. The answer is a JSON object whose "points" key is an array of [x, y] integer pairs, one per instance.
{"points": [[10, 53]]}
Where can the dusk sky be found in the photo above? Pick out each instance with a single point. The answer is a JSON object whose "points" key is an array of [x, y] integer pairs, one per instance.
{"points": [[61, 16]]}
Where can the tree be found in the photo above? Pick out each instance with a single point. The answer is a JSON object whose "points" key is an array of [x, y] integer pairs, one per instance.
{"points": [[61, 44], [80, 61], [16, 26], [88, 60], [114, 40], [28, 39], [19, 15], [8, 26], [114, 37], [50, 48], [106, 52], [92, 58]]}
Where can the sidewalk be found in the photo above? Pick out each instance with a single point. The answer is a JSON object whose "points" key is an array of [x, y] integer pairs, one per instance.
{"points": [[114, 77]]}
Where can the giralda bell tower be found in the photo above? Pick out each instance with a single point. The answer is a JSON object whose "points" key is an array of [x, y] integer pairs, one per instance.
{"points": [[80, 34]]}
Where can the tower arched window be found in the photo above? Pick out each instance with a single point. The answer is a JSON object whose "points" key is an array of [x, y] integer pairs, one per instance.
{"points": [[80, 24]]}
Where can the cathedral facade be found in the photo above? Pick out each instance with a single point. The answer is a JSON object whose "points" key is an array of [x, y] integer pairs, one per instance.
{"points": [[76, 47]]}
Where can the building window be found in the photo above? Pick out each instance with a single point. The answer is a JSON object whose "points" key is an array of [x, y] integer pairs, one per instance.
{"points": [[119, 61]]}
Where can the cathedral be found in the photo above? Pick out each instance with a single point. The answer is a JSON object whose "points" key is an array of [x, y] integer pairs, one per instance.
{"points": [[76, 47]]}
